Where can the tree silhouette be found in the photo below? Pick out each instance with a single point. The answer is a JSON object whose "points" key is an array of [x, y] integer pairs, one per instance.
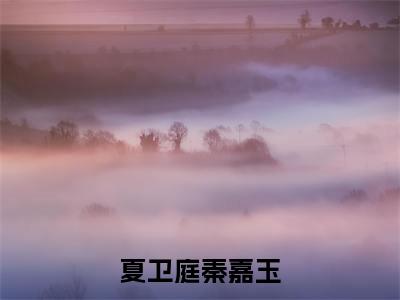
{"points": [[357, 24], [255, 126], [374, 26], [394, 21], [65, 133], [304, 19], [98, 138], [240, 128], [327, 22], [96, 210], [255, 149], [150, 141], [177, 132], [161, 28], [250, 23], [338, 24], [213, 140], [74, 289]]}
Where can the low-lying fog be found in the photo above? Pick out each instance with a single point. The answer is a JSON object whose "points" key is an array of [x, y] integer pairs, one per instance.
{"points": [[335, 230], [297, 96], [329, 210]]}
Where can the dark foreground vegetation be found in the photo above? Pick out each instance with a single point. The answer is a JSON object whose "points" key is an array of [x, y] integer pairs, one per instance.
{"points": [[203, 75], [199, 74]]}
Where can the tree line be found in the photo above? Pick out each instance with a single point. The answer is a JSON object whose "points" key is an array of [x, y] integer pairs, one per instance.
{"points": [[66, 135], [329, 23]]}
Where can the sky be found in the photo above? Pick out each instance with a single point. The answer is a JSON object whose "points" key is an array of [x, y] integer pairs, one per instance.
{"points": [[268, 12]]}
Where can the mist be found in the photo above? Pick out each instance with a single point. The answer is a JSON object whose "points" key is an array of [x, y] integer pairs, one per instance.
{"points": [[325, 234], [232, 138]]}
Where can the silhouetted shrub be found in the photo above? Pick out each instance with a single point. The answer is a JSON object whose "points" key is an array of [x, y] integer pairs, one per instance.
{"points": [[355, 196], [391, 195], [254, 149], [75, 289], [150, 141], [96, 210]]}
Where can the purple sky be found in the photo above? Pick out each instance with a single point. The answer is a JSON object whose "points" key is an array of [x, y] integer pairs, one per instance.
{"points": [[268, 12]]}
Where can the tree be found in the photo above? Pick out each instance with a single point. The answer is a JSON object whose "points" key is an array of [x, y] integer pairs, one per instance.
{"points": [[345, 25], [115, 51], [161, 28], [73, 289], [65, 133], [355, 196], [240, 128], [304, 19], [338, 24], [99, 138], [213, 140], [150, 141], [250, 22], [327, 22], [394, 21], [96, 210], [255, 149], [356, 24], [374, 26], [255, 126], [177, 132]]}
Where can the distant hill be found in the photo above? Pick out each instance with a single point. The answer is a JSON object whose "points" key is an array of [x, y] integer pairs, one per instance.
{"points": [[20, 134]]}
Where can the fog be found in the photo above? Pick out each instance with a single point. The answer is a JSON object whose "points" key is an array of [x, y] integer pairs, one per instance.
{"points": [[330, 241], [324, 197], [309, 113]]}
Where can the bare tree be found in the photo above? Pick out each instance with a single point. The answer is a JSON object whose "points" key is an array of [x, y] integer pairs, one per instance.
{"points": [[304, 19], [100, 138], [224, 129], [213, 140], [250, 23], [64, 133], [177, 132], [256, 126], [240, 128]]}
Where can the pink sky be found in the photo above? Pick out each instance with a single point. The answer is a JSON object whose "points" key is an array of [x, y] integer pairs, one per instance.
{"points": [[268, 12]]}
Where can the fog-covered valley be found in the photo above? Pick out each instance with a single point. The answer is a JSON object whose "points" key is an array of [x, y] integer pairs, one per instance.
{"points": [[333, 229], [286, 146]]}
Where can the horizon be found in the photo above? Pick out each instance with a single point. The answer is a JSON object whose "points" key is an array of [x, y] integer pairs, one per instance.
{"points": [[270, 12]]}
